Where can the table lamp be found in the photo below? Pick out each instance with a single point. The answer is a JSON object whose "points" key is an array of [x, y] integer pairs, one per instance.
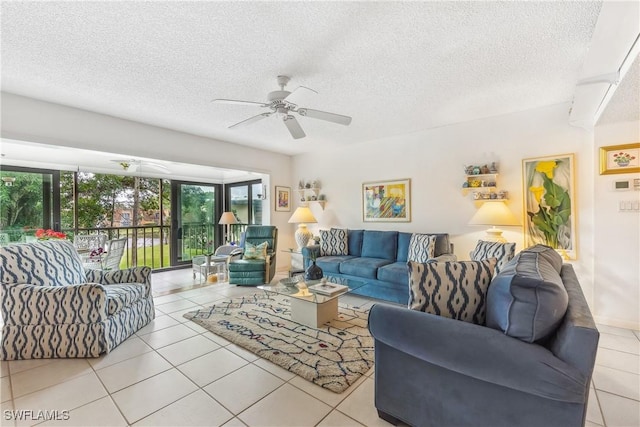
{"points": [[301, 216], [227, 219], [494, 214]]}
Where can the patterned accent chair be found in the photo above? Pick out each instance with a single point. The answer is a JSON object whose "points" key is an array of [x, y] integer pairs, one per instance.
{"points": [[53, 308], [253, 272]]}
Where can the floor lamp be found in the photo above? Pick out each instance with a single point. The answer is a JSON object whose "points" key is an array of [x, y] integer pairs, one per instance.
{"points": [[227, 219], [494, 214]]}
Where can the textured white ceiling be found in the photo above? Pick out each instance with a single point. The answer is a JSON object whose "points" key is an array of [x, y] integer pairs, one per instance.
{"points": [[395, 67], [625, 103]]}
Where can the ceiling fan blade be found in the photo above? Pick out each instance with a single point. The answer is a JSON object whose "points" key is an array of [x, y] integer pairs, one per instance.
{"points": [[238, 102], [298, 94], [251, 120], [323, 115], [294, 127], [157, 166]]}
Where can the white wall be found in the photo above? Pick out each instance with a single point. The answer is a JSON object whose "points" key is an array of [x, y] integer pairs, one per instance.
{"points": [[617, 238], [27, 119], [434, 161]]}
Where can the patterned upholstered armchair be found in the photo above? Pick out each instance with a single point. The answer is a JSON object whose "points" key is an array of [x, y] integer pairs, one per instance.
{"points": [[52, 308]]}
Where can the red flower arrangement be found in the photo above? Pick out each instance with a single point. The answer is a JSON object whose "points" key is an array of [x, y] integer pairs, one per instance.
{"points": [[49, 234]]}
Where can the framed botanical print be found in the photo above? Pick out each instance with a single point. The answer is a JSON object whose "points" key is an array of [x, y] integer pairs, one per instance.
{"points": [[387, 201], [550, 203], [620, 159]]}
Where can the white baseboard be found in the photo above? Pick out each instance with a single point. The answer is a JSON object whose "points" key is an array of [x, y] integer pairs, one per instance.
{"points": [[618, 323]]}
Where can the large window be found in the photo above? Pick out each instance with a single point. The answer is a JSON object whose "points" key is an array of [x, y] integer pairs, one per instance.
{"points": [[165, 222], [244, 199], [28, 202]]}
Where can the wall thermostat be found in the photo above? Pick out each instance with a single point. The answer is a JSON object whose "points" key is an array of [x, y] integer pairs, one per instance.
{"points": [[627, 184], [622, 185]]}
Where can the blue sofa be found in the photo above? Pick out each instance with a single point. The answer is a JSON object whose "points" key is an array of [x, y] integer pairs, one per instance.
{"points": [[377, 258], [523, 368]]}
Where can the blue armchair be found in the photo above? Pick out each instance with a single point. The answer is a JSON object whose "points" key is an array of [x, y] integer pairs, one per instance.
{"points": [[53, 308], [253, 272]]}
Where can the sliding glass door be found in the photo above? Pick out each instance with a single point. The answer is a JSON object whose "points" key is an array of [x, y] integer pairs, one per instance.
{"points": [[28, 202], [195, 213]]}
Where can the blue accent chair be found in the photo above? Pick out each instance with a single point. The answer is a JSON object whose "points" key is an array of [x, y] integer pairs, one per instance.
{"points": [[253, 272], [53, 308]]}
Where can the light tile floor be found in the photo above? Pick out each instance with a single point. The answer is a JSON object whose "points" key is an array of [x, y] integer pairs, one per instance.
{"points": [[176, 373]]}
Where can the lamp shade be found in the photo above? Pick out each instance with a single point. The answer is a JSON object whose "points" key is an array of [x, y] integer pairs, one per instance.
{"points": [[494, 213], [302, 215], [227, 218]]}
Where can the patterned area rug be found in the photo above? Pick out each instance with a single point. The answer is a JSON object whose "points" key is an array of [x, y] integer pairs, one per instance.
{"points": [[333, 356]]}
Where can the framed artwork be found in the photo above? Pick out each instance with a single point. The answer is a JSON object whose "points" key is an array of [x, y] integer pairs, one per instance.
{"points": [[620, 159], [550, 203], [283, 199], [387, 201]]}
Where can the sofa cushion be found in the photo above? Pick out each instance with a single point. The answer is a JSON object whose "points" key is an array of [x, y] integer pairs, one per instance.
{"points": [[528, 300], [354, 242], [380, 244], [421, 247], [363, 267], [403, 247], [252, 251], [333, 242], [331, 264], [123, 295], [247, 265], [502, 252], [451, 289], [394, 273], [443, 245]]}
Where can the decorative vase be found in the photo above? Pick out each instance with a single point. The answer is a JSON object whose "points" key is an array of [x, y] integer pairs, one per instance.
{"points": [[313, 272]]}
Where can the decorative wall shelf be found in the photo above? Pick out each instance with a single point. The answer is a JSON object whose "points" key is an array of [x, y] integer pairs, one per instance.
{"points": [[483, 186], [309, 195]]}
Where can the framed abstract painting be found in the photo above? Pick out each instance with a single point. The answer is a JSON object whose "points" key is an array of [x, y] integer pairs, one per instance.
{"points": [[386, 201], [283, 199], [550, 203]]}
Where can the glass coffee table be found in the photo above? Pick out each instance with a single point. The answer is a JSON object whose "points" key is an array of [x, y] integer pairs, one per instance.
{"points": [[308, 306]]}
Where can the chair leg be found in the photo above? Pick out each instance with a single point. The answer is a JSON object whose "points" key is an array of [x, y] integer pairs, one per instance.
{"points": [[389, 418]]}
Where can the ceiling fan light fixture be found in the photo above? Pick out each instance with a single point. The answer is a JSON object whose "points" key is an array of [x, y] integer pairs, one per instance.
{"points": [[282, 103]]}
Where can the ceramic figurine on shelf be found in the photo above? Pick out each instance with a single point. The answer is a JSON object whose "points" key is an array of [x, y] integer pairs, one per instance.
{"points": [[468, 170], [301, 184], [476, 170], [484, 170], [493, 168]]}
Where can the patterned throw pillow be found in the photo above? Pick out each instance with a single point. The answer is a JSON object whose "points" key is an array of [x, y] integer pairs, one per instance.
{"points": [[333, 242], [457, 290], [421, 247], [252, 251], [503, 252]]}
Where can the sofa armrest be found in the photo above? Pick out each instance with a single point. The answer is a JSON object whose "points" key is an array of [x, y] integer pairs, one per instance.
{"points": [[477, 351], [27, 304], [115, 277], [445, 257], [309, 252]]}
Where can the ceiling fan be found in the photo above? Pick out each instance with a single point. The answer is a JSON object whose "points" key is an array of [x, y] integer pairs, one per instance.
{"points": [[133, 165], [281, 103]]}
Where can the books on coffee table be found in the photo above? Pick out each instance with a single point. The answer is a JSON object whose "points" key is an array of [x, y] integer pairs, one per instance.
{"points": [[327, 288]]}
